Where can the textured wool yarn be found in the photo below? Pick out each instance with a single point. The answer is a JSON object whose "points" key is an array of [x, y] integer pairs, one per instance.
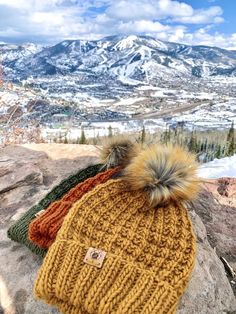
{"points": [[115, 152], [44, 228], [19, 230], [127, 246]]}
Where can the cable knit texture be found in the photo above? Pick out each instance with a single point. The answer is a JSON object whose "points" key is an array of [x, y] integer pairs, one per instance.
{"points": [[43, 230], [150, 255], [19, 230]]}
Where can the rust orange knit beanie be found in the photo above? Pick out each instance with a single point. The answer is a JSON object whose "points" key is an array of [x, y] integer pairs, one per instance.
{"points": [[43, 229], [127, 246], [115, 151]]}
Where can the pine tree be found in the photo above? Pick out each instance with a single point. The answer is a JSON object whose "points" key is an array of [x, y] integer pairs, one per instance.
{"points": [[143, 135], [165, 136], [230, 141], [82, 138], [223, 151], [198, 148], [218, 152], [231, 132], [65, 140], [211, 157], [192, 145], [176, 138], [205, 145], [231, 148], [110, 134], [202, 147]]}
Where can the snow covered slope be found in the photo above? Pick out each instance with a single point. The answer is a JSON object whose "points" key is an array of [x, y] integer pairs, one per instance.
{"points": [[225, 167], [14, 52], [129, 59]]}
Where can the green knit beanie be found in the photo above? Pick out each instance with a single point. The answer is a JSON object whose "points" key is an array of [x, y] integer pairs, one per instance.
{"points": [[19, 230]]}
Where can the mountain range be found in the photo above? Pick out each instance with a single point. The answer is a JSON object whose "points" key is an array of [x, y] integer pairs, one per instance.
{"points": [[129, 59]]}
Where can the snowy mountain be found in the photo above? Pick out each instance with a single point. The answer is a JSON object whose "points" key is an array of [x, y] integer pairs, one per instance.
{"points": [[129, 59], [10, 52]]}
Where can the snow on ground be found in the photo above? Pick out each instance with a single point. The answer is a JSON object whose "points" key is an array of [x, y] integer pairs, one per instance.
{"points": [[147, 87], [151, 125], [12, 98], [94, 129], [182, 94], [128, 81], [218, 168], [218, 115], [128, 101], [223, 79]]}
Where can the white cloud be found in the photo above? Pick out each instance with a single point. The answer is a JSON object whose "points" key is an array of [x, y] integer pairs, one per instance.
{"points": [[177, 35], [21, 4], [143, 9], [55, 20], [202, 37], [174, 8], [32, 4], [211, 15], [153, 9], [43, 17], [143, 26], [131, 10]]}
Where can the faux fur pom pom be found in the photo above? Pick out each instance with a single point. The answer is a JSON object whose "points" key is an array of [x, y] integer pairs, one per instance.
{"points": [[118, 151], [165, 172]]}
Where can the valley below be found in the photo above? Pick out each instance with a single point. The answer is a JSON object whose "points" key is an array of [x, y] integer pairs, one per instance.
{"points": [[116, 84], [153, 107]]}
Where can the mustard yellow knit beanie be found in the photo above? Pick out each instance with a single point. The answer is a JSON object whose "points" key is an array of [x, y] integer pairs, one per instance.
{"points": [[127, 246]]}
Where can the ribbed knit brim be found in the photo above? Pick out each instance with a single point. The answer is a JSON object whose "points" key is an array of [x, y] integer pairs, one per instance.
{"points": [[43, 230], [19, 230], [119, 287], [150, 254]]}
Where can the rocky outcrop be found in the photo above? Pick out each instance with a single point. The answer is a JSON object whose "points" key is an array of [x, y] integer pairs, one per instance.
{"points": [[209, 290], [27, 173], [16, 174], [216, 206]]}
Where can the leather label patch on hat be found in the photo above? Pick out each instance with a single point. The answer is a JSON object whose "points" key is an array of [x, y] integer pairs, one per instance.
{"points": [[95, 257], [39, 213]]}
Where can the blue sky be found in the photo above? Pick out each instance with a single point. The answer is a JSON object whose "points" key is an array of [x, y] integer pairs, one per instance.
{"points": [[207, 22], [229, 11]]}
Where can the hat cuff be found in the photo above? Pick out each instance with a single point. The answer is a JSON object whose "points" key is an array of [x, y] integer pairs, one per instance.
{"points": [[67, 282], [43, 230]]}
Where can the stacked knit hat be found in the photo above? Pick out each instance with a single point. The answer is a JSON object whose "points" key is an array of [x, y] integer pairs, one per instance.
{"points": [[115, 153], [127, 246], [43, 229]]}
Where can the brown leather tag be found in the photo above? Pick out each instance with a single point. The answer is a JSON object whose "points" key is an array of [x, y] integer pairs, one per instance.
{"points": [[95, 257]]}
